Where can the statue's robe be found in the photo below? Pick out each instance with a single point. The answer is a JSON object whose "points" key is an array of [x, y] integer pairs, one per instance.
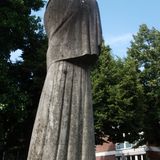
{"points": [[64, 128]]}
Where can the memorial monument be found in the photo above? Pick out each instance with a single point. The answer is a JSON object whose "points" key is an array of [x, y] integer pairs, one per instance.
{"points": [[64, 128]]}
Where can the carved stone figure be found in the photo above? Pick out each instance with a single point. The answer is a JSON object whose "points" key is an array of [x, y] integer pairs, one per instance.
{"points": [[63, 128]]}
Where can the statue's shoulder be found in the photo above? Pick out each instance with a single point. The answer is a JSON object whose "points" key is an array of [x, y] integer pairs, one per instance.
{"points": [[48, 3]]}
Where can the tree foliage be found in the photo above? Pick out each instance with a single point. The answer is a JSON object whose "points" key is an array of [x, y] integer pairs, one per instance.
{"points": [[145, 51], [16, 23], [21, 81], [126, 92], [117, 97]]}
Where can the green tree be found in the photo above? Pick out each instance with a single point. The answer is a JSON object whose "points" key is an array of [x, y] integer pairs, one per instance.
{"points": [[16, 22], [21, 81], [117, 98], [145, 51]]}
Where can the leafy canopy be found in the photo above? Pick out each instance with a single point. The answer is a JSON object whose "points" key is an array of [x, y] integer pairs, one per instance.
{"points": [[21, 81], [126, 92]]}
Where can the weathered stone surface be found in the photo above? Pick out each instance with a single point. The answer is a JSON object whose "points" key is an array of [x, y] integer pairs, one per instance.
{"points": [[63, 128], [74, 30]]}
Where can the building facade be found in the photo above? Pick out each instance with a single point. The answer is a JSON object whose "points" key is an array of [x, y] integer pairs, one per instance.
{"points": [[120, 151]]}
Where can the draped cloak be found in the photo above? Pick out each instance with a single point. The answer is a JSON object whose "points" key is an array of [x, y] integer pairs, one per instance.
{"points": [[74, 30], [63, 128]]}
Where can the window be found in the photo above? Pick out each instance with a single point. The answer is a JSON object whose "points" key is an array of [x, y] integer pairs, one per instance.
{"points": [[128, 145], [144, 157], [120, 146], [133, 157], [125, 145], [139, 157], [118, 158]]}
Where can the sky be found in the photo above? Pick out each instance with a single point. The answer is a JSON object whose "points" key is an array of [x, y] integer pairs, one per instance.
{"points": [[121, 20]]}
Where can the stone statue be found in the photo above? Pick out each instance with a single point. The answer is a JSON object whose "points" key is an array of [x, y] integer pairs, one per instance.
{"points": [[63, 128]]}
